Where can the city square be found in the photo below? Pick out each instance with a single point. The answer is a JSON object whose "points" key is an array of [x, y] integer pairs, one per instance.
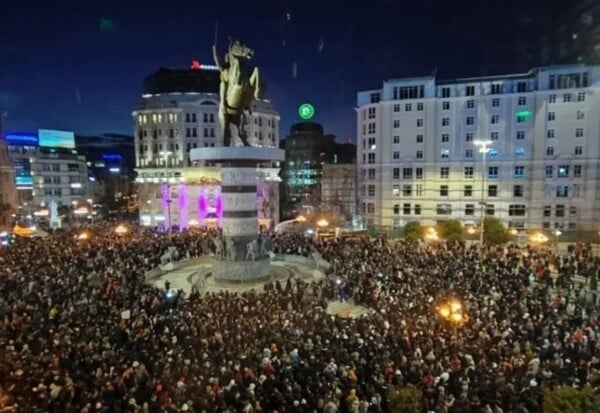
{"points": [[430, 244]]}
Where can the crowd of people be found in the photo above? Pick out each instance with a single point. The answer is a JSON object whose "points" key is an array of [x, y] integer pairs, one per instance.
{"points": [[83, 332]]}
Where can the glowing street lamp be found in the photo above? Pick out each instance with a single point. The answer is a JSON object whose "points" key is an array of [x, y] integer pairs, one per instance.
{"points": [[83, 236], [121, 229], [301, 218], [538, 238], [453, 312], [470, 230], [483, 149], [323, 223], [431, 235]]}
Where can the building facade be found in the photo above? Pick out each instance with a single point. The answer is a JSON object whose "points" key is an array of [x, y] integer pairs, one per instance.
{"points": [[338, 189], [417, 160], [8, 191], [179, 112]]}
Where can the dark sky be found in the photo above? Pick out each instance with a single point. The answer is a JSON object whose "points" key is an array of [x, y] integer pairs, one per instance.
{"points": [[79, 65]]}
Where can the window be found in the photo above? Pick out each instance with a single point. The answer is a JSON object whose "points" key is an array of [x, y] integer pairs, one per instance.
{"points": [[419, 155], [493, 172], [579, 133], [407, 190], [470, 104], [396, 108], [396, 173], [551, 116], [519, 151], [581, 97], [492, 190], [408, 107], [580, 115], [518, 191], [371, 158], [372, 113], [577, 171], [576, 191], [494, 136], [550, 151], [562, 171], [468, 153], [445, 153], [396, 155], [419, 123], [496, 89], [468, 190], [469, 209], [370, 208], [549, 171], [560, 211], [469, 137], [372, 126], [396, 190], [194, 119], [516, 210], [547, 211], [521, 118], [417, 209], [371, 190], [470, 91], [420, 106], [444, 172], [519, 171], [419, 138], [550, 134], [445, 92], [521, 87], [372, 173], [495, 119], [445, 137], [396, 209], [522, 101], [445, 105], [567, 97], [419, 190], [489, 209], [495, 102], [493, 154], [468, 172], [372, 143], [562, 191], [579, 150], [407, 173], [418, 173], [445, 121], [405, 209], [520, 135], [552, 99], [443, 209], [470, 120], [396, 139]]}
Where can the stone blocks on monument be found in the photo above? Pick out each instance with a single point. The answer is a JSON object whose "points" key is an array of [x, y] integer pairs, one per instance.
{"points": [[241, 271]]}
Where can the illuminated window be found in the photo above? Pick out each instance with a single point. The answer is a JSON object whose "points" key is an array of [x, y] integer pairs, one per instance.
{"points": [[445, 153], [519, 171], [519, 151], [562, 171]]}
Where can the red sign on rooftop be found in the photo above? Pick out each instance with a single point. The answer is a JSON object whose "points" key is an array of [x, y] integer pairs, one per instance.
{"points": [[195, 65]]}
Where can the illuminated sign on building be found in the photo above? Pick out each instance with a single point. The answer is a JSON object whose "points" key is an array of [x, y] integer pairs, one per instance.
{"points": [[56, 139], [306, 111], [21, 138], [112, 157]]}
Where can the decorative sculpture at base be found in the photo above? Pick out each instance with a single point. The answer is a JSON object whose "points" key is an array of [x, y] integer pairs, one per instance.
{"points": [[240, 84]]}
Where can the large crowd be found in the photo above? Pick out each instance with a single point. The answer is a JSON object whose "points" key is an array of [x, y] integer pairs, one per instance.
{"points": [[83, 332]]}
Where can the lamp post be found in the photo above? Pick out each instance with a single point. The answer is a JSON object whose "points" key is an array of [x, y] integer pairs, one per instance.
{"points": [[483, 149], [453, 312], [165, 156]]}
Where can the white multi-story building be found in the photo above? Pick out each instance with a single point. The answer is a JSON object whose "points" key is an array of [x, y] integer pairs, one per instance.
{"points": [[417, 160], [179, 112]]}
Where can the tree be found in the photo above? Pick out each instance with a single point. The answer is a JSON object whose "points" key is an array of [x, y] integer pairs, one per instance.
{"points": [[494, 232], [413, 231], [450, 230], [405, 400], [566, 399]]}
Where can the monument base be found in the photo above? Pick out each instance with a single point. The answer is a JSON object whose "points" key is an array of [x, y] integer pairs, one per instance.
{"points": [[241, 271]]}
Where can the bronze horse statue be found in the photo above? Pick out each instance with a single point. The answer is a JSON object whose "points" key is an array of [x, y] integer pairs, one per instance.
{"points": [[239, 86]]}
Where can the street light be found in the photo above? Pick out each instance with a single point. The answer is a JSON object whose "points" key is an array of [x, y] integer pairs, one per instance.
{"points": [[322, 222], [121, 229], [166, 155], [301, 218], [483, 149], [453, 312]]}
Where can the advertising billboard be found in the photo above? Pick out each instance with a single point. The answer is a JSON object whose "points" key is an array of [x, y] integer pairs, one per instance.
{"points": [[25, 139], [50, 138]]}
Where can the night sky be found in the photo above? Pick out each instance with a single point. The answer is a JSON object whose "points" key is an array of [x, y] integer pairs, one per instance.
{"points": [[79, 65]]}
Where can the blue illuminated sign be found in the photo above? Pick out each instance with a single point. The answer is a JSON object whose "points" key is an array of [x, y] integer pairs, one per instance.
{"points": [[24, 180], [112, 157], [21, 138], [56, 138]]}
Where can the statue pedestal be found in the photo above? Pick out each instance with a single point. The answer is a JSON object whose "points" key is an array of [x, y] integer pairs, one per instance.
{"points": [[240, 216]]}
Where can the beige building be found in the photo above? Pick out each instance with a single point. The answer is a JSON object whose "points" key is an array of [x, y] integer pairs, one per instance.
{"points": [[8, 190], [417, 160], [338, 189]]}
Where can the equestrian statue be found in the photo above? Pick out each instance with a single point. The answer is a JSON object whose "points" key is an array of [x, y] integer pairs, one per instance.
{"points": [[239, 86]]}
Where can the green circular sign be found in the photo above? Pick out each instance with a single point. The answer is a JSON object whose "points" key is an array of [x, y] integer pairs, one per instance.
{"points": [[306, 111]]}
